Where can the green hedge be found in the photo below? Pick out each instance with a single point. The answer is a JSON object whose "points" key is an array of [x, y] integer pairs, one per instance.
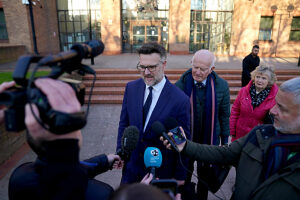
{"points": [[7, 76]]}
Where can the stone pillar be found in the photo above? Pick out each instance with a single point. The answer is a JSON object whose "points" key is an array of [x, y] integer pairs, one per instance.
{"points": [[179, 26], [111, 26]]}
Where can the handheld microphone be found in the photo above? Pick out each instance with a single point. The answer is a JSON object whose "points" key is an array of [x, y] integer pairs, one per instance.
{"points": [[129, 141], [152, 159], [159, 130]]}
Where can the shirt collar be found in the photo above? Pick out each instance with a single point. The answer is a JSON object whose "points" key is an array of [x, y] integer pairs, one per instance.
{"points": [[158, 86], [204, 82]]}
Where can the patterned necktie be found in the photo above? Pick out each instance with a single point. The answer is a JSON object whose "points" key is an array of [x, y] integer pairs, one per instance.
{"points": [[200, 85], [147, 105]]}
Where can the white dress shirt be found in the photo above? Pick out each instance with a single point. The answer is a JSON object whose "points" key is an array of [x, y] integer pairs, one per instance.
{"points": [[155, 95]]}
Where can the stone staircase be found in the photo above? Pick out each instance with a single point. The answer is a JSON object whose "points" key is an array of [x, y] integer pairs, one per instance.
{"points": [[110, 83]]}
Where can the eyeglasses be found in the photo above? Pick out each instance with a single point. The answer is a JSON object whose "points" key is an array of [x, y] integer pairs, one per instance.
{"points": [[151, 68]]}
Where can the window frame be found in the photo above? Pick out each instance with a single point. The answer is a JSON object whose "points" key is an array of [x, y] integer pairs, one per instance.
{"points": [[265, 29], [294, 29], [4, 39]]}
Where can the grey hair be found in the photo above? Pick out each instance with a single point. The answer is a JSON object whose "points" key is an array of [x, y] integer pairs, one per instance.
{"points": [[212, 64], [262, 69], [292, 86]]}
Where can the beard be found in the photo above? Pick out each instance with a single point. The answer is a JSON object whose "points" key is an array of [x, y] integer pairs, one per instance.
{"points": [[288, 127]]}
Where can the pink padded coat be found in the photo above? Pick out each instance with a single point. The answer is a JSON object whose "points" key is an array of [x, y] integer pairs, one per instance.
{"points": [[243, 118]]}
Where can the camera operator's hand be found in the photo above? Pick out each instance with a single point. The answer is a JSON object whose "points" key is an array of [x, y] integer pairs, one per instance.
{"points": [[61, 98], [4, 86], [114, 161], [168, 145]]}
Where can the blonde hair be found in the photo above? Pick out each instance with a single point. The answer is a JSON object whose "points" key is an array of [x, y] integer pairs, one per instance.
{"points": [[263, 69]]}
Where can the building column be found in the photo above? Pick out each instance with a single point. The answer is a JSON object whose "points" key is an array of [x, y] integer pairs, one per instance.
{"points": [[179, 26], [111, 26]]}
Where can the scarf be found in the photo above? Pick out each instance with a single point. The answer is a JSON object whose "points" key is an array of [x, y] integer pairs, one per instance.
{"points": [[257, 99], [280, 148], [210, 107]]}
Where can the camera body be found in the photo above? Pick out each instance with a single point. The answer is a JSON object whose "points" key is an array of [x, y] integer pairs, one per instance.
{"points": [[17, 97]]}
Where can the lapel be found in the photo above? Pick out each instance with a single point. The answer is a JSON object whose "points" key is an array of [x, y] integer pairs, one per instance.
{"points": [[160, 105], [139, 103]]}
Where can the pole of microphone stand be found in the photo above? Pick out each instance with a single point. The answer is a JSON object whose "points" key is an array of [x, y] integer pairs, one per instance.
{"points": [[32, 28]]}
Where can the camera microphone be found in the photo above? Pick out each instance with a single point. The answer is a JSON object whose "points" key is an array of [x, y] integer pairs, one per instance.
{"points": [[152, 159], [159, 129], [129, 141], [78, 52]]}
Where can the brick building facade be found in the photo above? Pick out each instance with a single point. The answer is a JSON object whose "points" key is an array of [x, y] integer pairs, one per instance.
{"points": [[227, 27]]}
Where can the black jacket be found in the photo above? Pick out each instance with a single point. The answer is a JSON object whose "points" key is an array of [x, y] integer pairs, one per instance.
{"points": [[249, 64], [58, 174]]}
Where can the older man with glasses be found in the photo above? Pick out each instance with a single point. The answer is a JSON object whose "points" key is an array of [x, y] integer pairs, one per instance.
{"points": [[146, 100], [210, 111]]}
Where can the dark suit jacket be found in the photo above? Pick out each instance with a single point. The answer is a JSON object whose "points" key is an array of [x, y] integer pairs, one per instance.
{"points": [[171, 103]]}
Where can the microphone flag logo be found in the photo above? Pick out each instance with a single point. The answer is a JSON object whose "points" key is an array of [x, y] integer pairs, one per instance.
{"points": [[152, 157]]}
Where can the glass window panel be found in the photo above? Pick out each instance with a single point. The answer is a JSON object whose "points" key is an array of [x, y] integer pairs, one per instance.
{"points": [[95, 4], [61, 15], [295, 23], [295, 35], [138, 30], [70, 27], [77, 27], [62, 27], [265, 35], [2, 17], [266, 23], [62, 4]]}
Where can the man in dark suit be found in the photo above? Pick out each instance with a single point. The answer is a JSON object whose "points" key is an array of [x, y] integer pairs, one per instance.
{"points": [[250, 62], [146, 100]]}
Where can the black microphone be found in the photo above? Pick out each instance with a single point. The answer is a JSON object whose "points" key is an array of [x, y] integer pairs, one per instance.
{"points": [[159, 129], [78, 52], [129, 141]]}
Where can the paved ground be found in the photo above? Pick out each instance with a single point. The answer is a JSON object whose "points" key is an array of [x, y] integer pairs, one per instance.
{"points": [[101, 131], [127, 60]]}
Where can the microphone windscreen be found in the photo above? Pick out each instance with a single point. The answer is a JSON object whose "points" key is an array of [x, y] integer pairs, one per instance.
{"points": [[130, 139], [152, 157], [170, 123], [158, 128], [97, 47]]}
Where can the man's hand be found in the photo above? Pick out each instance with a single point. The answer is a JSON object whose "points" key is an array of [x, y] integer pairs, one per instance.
{"points": [[168, 145], [61, 98], [114, 161], [4, 86]]}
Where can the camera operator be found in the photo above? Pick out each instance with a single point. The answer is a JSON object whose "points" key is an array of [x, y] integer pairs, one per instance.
{"points": [[57, 172]]}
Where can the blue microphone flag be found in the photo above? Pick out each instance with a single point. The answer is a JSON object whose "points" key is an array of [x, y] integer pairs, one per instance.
{"points": [[152, 157]]}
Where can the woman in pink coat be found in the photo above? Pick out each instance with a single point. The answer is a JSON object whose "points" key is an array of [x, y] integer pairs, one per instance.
{"points": [[253, 102]]}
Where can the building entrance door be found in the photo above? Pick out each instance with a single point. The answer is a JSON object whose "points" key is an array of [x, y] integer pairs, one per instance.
{"points": [[210, 30], [143, 32]]}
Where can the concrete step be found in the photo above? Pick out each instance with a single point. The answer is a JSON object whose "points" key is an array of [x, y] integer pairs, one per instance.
{"points": [[170, 77], [110, 83], [181, 70], [118, 99]]}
